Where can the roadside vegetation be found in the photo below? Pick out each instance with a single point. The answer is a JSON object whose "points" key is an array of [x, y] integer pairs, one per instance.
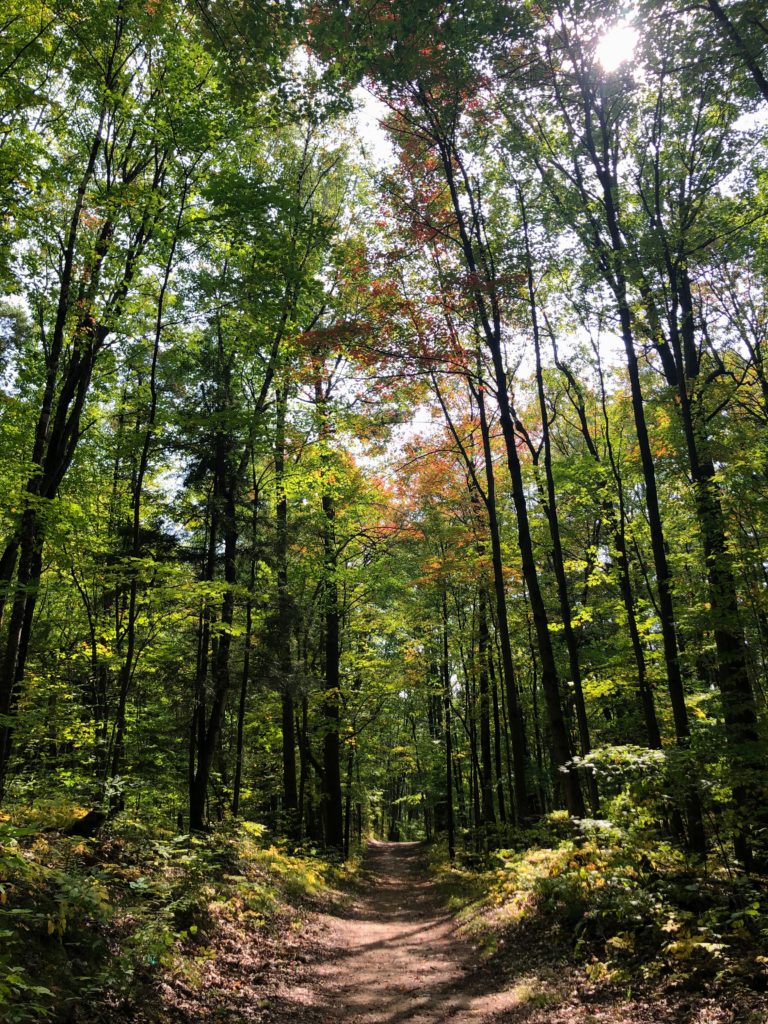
{"points": [[383, 453], [144, 925]]}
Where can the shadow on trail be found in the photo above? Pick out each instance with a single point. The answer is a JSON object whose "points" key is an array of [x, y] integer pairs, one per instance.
{"points": [[395, 956]]}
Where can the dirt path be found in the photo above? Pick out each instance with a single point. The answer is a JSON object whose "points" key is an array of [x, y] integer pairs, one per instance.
{"points": [[394, 956]]}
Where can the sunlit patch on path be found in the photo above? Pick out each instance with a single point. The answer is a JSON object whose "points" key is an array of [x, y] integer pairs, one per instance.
{"points": [[395, 955]]}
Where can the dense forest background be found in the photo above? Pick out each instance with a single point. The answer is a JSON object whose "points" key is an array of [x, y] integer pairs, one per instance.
{"points": [[410, 486]]}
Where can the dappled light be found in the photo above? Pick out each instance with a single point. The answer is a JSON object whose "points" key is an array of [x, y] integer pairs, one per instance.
{"points": [[383, 512]]}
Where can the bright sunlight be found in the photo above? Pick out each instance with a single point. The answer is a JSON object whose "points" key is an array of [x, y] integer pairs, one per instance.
{"points": [[616, 46]]}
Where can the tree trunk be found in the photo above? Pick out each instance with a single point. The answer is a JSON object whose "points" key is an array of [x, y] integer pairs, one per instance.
{"points": [[447, 701], [244, 681], [137, 493], [740, 45], [615, 514], [514, 711], [480, 265], [486, 759], [611, 256], [223, 517], [497, 740], [290, 796], [737, 695], [553, 521], [331, 708]]}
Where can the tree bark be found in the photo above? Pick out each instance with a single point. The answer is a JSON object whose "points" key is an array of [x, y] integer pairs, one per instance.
{"points": [[553, 521], [486, 757], [290, 795], [479, 263], [331, 707], [445, 669]]}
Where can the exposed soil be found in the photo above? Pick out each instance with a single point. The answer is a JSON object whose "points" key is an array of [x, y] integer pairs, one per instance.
{"points": [[393, 955]]}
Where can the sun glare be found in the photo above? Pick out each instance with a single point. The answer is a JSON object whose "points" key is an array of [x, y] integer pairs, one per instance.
{"points": [[616, 46]]}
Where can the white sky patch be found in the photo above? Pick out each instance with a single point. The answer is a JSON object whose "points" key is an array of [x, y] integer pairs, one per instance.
{"points": [[754, 121], [751, 120], [616, 46], [374, 141], [422, 422]]}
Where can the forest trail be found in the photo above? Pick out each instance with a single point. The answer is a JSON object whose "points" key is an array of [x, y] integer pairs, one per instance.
{"points": [[394, 956]]}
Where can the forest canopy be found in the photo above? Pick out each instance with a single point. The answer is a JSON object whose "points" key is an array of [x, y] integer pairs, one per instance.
{"points": [[383, 408]]}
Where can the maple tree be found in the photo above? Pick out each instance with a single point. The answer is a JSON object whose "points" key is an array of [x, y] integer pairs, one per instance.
{"points": [[419, 495]]}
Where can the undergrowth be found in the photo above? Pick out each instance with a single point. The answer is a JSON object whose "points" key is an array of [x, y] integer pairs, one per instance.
{"points": [[621, 910], [89, 926]]}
